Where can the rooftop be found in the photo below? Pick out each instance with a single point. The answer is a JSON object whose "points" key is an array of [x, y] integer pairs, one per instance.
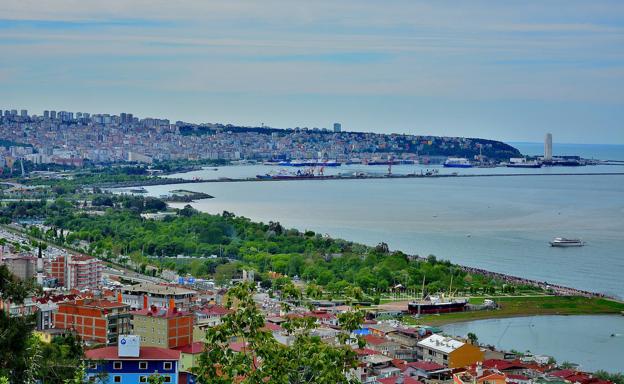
{"points": [[426, 366], [94, 303], [160, 312], [145, 353], [194, 348], [441, 343], [395, 380], [157, 289]]}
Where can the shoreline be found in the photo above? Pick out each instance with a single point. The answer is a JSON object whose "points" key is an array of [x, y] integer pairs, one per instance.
{"points": [[511, 307], [510, 316]]}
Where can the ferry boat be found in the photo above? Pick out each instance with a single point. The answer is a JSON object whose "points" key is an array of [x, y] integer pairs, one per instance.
{"points": [[563, 242], [436, 304], [523, 163], [457, 162]]}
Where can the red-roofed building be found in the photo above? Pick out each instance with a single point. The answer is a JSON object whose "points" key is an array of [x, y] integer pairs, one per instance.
{"points": [[95, 321], [189, 355], [400, 379], [426, 369], [382, 345]]}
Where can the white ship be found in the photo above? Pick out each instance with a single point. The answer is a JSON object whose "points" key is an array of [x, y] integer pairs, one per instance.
{"points": [[563, 242]]}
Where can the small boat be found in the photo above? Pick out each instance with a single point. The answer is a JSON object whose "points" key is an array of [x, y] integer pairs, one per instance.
{"points": [[563, 242]]}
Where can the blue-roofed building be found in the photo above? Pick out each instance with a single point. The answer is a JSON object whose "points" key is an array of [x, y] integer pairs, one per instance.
{"points": [[105, 366]]}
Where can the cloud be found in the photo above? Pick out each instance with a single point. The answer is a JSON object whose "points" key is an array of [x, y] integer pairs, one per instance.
{"points": [[484, 51]]}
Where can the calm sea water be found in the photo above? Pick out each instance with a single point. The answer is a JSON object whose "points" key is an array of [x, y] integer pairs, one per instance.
{"points": [[585, 340], [497, 223]]}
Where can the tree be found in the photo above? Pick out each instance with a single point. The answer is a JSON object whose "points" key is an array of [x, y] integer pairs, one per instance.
{"points": [[617, 378], [567, 365], [16, 332], [473, 338], [262, 358], [155, 379]]}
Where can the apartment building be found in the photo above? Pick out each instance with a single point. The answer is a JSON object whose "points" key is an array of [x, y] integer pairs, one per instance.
{"points": [[77, 271], [163, 327], [95, 321]]}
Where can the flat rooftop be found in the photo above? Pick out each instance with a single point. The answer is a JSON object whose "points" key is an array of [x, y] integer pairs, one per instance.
{"points": [[156, 289]]}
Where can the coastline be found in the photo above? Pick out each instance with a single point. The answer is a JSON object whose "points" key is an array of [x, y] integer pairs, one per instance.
{"points": [[526, 307]]}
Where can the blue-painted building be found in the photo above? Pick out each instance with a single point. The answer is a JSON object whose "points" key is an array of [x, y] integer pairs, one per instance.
{"points": [[105, 366]]}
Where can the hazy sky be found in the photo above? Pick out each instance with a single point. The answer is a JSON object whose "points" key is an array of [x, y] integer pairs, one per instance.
{"points": [[508, 70]]}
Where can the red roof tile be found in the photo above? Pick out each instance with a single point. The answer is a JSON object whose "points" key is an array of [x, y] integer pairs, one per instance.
{"points": [[393, 380], [145, 353], [193, 348], [426, 366], [501, 364], [272, 327], [563, 373], [374, 340], [366, 351], [215, 310]]}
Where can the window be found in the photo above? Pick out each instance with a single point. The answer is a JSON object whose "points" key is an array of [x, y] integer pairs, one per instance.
{"points": [[167, 366], [167, 379], [143, 379], [117, 379], [92, 365], [142, 364], [117, 365]]}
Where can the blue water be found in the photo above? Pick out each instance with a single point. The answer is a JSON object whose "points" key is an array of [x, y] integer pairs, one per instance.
{"points": [[585, 340]]}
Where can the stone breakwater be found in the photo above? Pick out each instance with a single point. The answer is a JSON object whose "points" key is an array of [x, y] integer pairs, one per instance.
{"points": [[556, 289]]}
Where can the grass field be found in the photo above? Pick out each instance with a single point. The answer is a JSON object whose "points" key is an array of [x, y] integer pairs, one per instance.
{"points": [[527, 306]]}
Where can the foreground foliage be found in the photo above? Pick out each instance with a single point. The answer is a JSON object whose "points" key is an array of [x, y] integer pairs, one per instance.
{"points": [[262, 358]]}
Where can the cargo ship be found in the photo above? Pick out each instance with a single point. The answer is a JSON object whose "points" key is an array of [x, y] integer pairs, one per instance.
{"points": [[457, 162]]}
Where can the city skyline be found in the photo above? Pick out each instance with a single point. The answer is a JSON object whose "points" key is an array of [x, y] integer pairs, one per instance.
{"points": [[491, 70]]}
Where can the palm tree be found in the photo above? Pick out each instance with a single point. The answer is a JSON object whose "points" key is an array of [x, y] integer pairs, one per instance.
{"points": [[473, 338]]}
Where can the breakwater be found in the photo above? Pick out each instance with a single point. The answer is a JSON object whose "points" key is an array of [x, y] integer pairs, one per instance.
{"points": [[556, 289], [168, 181]]}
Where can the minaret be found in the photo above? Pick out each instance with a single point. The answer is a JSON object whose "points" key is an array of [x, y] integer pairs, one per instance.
{"points": [[40, 267]]}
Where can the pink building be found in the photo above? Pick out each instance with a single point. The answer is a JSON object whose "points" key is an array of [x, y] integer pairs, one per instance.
{"points": [[77, 271]]}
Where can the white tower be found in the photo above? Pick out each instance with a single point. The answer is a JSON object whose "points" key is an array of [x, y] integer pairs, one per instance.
{"points": [[548, 147]]}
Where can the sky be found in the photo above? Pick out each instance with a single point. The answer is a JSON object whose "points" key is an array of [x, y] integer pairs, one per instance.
{"points": [[505, 70]]}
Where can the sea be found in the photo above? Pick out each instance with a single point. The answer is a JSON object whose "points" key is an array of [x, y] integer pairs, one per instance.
{"points": [[503, 224], [593, 342]]}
